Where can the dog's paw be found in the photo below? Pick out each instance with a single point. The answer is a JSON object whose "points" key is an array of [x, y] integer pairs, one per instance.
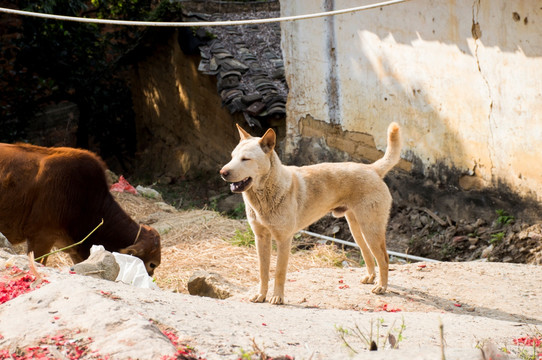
{"points": [[369, 279], [277, 300], [379, 289], [258, 298]]}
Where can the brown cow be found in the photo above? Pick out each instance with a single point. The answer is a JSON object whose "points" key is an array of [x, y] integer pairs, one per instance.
{"points": [[56, 196]]}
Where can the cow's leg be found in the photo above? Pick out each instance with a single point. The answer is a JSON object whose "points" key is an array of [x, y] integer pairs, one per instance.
{"points": [[43, 241], [40, 244]]}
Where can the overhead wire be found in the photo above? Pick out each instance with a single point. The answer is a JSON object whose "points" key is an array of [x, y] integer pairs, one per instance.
{"points": [[198, 23]]}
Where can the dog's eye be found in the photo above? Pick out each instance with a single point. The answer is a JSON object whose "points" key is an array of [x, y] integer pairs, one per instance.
{"points": [[245, 159]]}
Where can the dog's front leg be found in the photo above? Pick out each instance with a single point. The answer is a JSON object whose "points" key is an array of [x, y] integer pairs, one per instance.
{"points": [[263, 246], [283, 253]]}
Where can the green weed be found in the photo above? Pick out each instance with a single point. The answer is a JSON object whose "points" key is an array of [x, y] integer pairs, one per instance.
{"points": [[373, 339], [238, 212], [243, 237], [503, 218], [497, 238]]}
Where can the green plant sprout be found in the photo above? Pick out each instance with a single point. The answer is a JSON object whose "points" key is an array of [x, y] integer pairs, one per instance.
{"points": [[372, 338]]}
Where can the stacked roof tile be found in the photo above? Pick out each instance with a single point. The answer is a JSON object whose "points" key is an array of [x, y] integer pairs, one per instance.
{"points": [[247, 61]]}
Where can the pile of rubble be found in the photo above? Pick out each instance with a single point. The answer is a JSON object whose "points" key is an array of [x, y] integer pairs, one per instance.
{"points": [[504, 239], [421, 232]]}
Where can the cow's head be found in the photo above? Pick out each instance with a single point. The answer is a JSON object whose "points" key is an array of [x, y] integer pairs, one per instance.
{"points": [[146, 247]]}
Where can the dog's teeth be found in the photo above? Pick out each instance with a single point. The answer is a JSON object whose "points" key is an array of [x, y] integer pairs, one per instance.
{"points": [[236, 186]]}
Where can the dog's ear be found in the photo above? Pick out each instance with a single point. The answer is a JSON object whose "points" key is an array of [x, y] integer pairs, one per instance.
{"points": [[242, 133], [268, 140]]}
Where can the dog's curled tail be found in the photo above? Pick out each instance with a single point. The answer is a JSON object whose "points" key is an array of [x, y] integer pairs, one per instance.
{"points": [[393, 151]]}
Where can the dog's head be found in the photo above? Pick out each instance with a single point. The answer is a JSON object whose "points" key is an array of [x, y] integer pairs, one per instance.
{"points": [[250, 160]]}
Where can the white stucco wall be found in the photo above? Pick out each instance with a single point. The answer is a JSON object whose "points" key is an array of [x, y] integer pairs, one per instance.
{"points": [[471, 104]]}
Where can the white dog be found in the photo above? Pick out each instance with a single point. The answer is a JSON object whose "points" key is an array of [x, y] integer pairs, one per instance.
{"points": [[280, 200]]}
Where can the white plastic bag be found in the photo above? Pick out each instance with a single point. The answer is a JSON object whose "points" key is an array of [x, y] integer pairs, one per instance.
{"points": [[132, 270]]}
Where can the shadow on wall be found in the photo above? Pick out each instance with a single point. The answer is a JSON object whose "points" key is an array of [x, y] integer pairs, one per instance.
{"points": [[464, 162], [182, 129]]}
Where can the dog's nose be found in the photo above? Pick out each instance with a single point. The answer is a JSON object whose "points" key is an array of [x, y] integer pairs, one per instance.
{"points": [[224, 173]]}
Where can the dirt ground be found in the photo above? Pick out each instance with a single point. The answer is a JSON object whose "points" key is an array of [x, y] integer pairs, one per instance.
{"points": [[326, 276], [477, 301]]}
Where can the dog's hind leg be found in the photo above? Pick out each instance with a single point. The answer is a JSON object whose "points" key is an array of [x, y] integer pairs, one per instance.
{"points": [[263, 247], [373, 239], [355, 229], [377, 245]]}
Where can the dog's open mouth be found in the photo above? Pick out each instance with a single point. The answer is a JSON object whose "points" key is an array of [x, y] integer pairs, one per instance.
{"points": [[240, 186]]}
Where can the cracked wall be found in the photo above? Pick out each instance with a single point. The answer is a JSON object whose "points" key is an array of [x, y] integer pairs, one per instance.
{"points": [[463, 78]]}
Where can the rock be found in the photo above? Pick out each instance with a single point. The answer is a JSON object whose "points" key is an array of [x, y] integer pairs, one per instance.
{"points": [[148, 192], [163, 227], [165, 180], [491, 351], [532, 232], [166, 207], [203, 283], [482, 230], [424, 220], [459, 239], [111, 177], [487, 251], [229, 204], [83, 308], [10, 259], [5, 244], [100, 264], [415, 221]]}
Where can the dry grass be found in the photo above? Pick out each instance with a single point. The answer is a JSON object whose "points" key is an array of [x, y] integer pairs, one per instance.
{"points": [[200, 240]]}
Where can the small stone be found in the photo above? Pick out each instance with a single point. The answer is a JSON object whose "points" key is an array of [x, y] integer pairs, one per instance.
{"points": [[5, 244], [459, 239], [165, 207], [100, 264], [211, 285], [487, 251]]}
